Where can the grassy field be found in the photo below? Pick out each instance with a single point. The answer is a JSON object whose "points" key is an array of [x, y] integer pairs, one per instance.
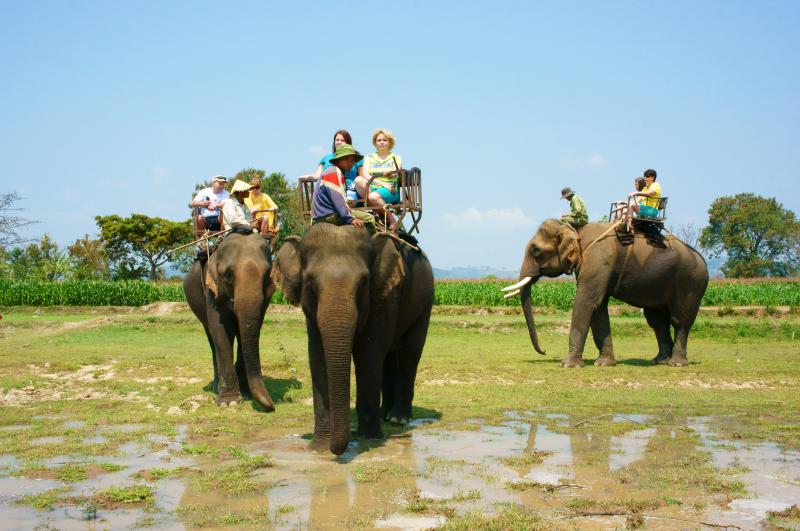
{"points": [[556, 294], [110, 409]]}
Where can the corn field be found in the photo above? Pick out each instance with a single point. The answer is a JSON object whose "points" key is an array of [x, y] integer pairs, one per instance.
{"points": [[551, 294]]}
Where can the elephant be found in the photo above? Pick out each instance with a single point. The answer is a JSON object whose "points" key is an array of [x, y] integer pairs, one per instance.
{"points": [[229, 294], [667, 281], [366, 297]]}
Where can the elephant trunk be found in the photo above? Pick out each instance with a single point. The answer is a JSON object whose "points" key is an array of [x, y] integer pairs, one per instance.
{"points": [[249, 308], [525, 298], [338, 331]]}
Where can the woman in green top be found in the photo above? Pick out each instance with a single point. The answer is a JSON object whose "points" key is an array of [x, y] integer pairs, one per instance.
{"points": [[384, 166]]}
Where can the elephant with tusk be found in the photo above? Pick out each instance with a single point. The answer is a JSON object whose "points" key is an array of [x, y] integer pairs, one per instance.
{"points": [[668, 281]]}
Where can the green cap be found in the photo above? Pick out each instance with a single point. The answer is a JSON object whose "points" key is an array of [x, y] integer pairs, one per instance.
{"points": [[345, 150]]}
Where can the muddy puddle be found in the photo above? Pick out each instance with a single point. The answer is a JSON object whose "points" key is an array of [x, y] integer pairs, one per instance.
{"points": [[81, 512], [578, 474]]}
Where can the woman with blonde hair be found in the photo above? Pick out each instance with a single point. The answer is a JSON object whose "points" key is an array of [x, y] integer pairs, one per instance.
{"points": [[384, 165]]}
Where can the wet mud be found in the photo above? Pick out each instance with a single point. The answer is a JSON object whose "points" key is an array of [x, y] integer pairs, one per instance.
{"points": [[572, 472]]}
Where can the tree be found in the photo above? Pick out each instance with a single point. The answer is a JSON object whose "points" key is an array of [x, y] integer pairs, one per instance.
{"points": [[38, 261], [140, 243], [10, 224], [689, 233], [758, 236], [89, 259]]}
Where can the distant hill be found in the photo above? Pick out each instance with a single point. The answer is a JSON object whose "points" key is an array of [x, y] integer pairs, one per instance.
{"points": [[473, 272]]}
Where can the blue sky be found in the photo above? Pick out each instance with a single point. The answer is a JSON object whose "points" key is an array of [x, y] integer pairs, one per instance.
{"points": [[111, 107]]}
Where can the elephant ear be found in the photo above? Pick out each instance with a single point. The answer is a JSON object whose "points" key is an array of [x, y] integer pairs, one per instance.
{"points": [[568, 247], [286, 270], [211, 274], [388, 269]]}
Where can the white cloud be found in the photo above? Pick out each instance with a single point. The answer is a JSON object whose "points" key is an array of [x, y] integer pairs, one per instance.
{"points": [[316, 151], [595, 160], [492, 219]]}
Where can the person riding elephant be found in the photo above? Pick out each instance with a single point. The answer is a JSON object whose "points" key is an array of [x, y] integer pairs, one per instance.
{"points": [[668, 281], [366, 297], [229, 294]]}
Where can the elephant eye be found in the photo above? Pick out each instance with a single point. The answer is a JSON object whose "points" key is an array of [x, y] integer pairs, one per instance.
{"points": [[536, 250]]}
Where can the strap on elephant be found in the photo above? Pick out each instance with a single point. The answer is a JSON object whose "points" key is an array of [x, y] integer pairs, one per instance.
{"points": [[611, 228], [624, 265]]}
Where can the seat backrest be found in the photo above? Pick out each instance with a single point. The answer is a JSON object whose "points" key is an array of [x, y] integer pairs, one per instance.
{"points": [[305, 192], [410, 185]]}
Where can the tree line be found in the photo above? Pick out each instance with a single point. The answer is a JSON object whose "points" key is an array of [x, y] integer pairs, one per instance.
{"points": [[126, 248], [756, 235]]}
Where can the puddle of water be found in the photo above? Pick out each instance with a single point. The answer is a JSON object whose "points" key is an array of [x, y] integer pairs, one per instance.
{"points": [[129, 428], [8, 462], [167, 492], [401, 521], [14, 487], [632, 417], [772, 477], [73, 424], [629, 448], [97, 439], [41, 441], [15, 427]]}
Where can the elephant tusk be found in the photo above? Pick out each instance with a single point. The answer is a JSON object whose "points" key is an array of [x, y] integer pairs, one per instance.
{"points": [[518, 285], [512, 294]]}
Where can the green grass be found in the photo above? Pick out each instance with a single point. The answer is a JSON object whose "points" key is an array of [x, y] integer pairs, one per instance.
{"points": [[133, 495], [44, 500], [557, 294], [474, 367]]}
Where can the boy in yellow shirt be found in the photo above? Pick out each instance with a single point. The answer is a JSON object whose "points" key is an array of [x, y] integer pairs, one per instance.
{"points": [[263, 208]]}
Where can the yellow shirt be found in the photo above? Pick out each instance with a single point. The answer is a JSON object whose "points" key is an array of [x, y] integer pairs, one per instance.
{"points": [[379, 167], [261, 201], [652, 201]]}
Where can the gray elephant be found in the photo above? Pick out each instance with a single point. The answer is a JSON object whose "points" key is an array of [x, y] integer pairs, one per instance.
{"points": [[229, 295], [366, 297], [667, 280]]}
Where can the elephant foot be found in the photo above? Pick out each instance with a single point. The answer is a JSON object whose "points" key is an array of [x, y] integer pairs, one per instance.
{"points": [[678, 361], [605, 361], [660, 360], [371, 432], [229, 399], [572, 362], [319, 446], [398, 416]]}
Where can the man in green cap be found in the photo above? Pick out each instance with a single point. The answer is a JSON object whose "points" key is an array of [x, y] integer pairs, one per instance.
{"points": [[578, 216], [330, 202]]}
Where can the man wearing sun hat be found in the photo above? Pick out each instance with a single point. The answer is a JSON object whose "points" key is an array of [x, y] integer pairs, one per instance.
{"points": [[210, 200], [235, 214], [578, 216], [330, 202]]}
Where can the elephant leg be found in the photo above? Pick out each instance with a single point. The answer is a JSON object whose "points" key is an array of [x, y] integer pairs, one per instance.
{"points": [[586, 301], [390, 368], [319, 383], [368, 364], [223, 331], [682, 321], [241, 370], [601, 333], [405, 371], [215, 382], [658, 319]]}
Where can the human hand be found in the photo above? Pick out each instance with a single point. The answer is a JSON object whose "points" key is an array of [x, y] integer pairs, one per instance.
{"points": [[212, 205], [358, 223]]}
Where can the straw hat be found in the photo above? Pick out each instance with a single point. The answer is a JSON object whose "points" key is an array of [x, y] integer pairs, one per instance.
{"points": [[241, 186]]}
